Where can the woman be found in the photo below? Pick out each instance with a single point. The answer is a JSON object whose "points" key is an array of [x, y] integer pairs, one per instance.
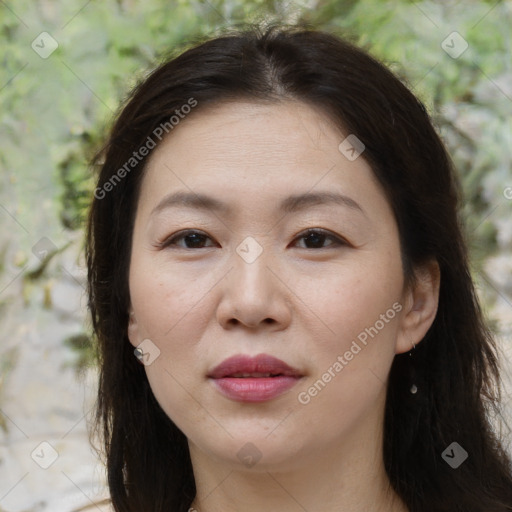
{"points": [[280, 291]]}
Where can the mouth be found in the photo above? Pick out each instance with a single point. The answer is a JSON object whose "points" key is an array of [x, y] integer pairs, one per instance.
{"points": [[254, 379]]}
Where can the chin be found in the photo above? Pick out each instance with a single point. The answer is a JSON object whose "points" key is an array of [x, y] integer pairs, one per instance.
{"points": [[257, 450]]}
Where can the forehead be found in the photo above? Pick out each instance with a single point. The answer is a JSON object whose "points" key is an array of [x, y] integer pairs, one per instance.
{"points": [[246, 149], [239, 128]]}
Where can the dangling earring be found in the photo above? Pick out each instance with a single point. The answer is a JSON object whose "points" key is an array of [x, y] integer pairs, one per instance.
{"points": [[414, 389], [139, 354]]}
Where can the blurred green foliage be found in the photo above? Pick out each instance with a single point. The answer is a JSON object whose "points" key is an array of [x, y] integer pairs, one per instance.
{"points": [[55, 111], [85, 350]]}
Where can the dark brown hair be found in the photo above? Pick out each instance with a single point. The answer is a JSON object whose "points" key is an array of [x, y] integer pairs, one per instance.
{"points": [[455, 367]]}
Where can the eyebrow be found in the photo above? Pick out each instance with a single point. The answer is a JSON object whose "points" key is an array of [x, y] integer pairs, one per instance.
{"points": [[290, 204]]}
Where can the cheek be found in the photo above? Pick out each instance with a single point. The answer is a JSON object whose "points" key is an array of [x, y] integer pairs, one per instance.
{"points": [[351, 363], [165, 298], [172, 310], [354, 298]]}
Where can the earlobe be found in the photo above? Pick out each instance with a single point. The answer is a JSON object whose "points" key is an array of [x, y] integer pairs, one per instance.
{"points": [[133, 330], [421, 307]]}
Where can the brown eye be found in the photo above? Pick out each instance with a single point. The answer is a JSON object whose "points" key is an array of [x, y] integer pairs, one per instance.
{"points": [[315, 239], [192, 239]]}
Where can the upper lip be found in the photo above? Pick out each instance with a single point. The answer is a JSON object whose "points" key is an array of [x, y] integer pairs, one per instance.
{"points": [[260, 364]]}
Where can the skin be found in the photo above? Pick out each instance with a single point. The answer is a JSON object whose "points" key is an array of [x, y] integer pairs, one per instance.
{"points": [[303, 301]]}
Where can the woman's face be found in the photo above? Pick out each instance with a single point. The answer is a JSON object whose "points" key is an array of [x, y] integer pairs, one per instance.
{"points": [[249, 280]]}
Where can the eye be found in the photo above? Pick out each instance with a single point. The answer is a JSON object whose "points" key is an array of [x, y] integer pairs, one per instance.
{"points": [[316, 238], [193, 239]]}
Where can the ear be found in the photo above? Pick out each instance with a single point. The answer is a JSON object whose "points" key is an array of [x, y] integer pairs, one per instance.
{"points": [[133, 328], [421, 302]]}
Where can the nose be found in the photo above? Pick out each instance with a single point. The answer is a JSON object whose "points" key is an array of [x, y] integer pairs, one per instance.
{"points": [[254, 295]]}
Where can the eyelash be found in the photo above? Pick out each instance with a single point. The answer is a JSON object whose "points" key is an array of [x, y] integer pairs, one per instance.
{"points": [[169, 242]]}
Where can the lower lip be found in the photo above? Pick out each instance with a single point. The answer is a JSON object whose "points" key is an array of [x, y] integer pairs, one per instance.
{"points": [[258, 389]]}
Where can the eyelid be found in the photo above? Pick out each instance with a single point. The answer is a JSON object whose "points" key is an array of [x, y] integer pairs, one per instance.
{"points": [[338, 240], [166, 242]]}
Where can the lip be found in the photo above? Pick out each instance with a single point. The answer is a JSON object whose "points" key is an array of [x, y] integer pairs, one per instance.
{"points": [[257, 388]]}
